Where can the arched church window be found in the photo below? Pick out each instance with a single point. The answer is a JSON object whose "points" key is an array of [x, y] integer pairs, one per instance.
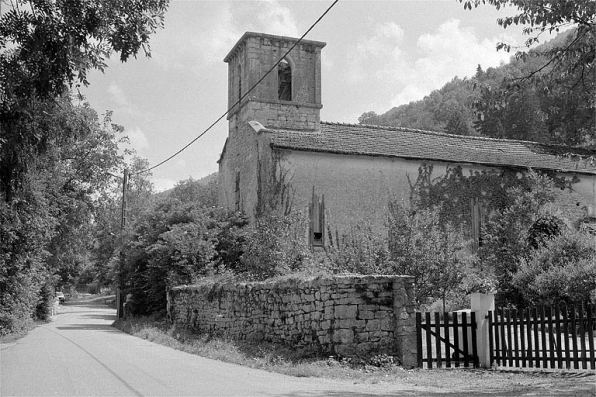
{"points": [[284, 78]]}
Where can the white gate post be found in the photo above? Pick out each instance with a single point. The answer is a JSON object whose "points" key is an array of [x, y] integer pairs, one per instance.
{"points": [[481, 305]]}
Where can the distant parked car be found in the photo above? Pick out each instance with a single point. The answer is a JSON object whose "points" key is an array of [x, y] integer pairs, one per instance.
{"points": [[60, 297]]}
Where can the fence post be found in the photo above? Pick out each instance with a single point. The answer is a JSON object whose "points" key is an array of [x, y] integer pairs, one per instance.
{"points": [[405, 321], [481, 305]]}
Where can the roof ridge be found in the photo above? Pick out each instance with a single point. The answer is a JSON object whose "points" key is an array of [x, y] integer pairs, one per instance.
{"points": [[438, 133]]}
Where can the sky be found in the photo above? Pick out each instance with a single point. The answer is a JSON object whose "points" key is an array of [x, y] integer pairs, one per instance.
{"points": [[379, 54]]}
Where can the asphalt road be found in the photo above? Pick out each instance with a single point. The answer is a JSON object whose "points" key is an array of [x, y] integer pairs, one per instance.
{"points": [[80, 354]]}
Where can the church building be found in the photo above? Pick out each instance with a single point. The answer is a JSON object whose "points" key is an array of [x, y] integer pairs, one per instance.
{"points": [[279, 156]]}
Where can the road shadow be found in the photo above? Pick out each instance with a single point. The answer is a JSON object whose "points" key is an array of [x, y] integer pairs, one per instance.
{"points": [[98, 301], [88, 327], [342, 393], [106, 317]]}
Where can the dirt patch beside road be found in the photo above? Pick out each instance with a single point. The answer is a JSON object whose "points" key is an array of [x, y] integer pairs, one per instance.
{"points": [[464, 382]]}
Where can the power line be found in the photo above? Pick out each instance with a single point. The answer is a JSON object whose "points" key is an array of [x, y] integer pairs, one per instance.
{"points": [[242, 97]]}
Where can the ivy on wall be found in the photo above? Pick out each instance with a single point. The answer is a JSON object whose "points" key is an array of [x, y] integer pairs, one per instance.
{"points": [[514, 205], [454, 191], [274, 192]]}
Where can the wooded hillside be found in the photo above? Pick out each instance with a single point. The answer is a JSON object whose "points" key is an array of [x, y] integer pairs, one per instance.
{"points": [[527, 99]]}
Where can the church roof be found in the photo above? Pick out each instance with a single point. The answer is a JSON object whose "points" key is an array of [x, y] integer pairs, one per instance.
{"points": [[426, 145]]}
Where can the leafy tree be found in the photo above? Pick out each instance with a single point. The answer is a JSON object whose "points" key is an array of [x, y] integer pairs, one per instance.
{"points": [[54, 156], [178, 239], [422, 247], [445, 110], [190, 190], [506, 235], [564, 70], [520, 117], [80, 174], [545, 94], [561, 270], [47, 46], [517, 217], [370, 118], [109, 237], [45, 226], [552, 16]]}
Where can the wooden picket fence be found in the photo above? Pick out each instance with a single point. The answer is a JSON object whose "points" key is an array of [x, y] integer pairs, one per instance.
{"points": [[446, 340], [543, 337]]}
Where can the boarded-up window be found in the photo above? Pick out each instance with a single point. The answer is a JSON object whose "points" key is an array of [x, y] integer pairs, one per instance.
{"points": [[284, 78], [477, 220], [237, 191], [317, 220]]}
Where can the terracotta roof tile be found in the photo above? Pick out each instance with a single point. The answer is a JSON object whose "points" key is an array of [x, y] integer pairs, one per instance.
{"points": [[418, 144]]}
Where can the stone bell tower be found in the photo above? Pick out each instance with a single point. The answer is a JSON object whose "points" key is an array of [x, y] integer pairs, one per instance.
{"points": [[289, 97]]}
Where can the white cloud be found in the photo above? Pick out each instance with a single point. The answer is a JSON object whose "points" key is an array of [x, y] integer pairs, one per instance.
{"points": [[190, 47], [186, 46], [138, 139], [380, 52], [450, 51], [410, 93], [121, 99], [381, 62], [118, 95], [276, 19], [161, 184], [221, 37]]}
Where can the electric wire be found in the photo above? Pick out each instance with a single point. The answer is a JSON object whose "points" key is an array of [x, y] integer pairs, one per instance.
{"points": [[241, 98]]}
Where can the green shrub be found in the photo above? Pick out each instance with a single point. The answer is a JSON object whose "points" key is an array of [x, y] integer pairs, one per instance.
{"points": [[275, 245], [178, 243], [562, 270], [43, 310], [361, 250], [430, 251], [510, 232]]}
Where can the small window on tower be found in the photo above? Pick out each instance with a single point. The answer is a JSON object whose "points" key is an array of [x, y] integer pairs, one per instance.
{"points": [[284, 78]]}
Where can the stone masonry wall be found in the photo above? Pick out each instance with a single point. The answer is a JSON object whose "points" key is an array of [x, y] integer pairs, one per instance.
{"points": [[282, 114], [344, 315]]}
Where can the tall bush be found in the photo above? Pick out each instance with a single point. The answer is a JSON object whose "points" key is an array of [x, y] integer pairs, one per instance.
{"points": [[509, 233], [430, 251], [178, 243], [274, 245], [561, 270], [360, 250]]}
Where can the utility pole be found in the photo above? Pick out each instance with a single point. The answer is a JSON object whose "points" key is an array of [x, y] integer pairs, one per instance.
{"points": [[124, 188], [119, 294]]}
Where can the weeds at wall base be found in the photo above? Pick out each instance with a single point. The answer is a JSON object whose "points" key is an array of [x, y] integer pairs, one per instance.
{"points": [[270, 357]]}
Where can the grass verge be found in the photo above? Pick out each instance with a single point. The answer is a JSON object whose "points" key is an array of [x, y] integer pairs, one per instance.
{"points": [[274, 358], [13, 337], [384, 375]]}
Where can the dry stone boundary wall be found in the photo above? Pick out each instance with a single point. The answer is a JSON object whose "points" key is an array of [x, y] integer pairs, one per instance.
{"points": [[344, 315]]}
